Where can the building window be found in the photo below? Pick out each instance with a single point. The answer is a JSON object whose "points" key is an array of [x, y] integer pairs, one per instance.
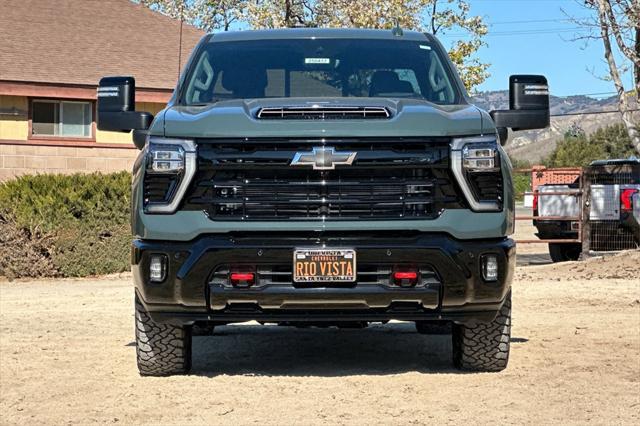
{"points": [[61, 118]]}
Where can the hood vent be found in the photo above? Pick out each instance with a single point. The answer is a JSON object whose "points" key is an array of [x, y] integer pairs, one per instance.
{"points": [[323, 113]]}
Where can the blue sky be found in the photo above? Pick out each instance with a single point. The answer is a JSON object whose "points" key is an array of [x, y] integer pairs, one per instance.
{"points": [[569, 66]]}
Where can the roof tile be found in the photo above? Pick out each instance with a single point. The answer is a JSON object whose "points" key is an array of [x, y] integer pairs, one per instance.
{"points": [[79, 41]]}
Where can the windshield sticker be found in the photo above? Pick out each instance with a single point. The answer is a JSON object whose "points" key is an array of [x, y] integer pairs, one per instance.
{"points": [[425, 47], [317, 61]]}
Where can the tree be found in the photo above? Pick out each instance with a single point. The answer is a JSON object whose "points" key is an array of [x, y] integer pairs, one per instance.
{"points": [[577, 149], [281, 13], [435, 16], [614, 141], [608, 25], [574, 151], [617, 25], [219, 14], [622, 17], [175, 9], [206, 14], [472, 71]]}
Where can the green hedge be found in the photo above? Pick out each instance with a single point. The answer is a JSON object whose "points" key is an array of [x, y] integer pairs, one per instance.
{"points": [[65, 225], [521, 184]]}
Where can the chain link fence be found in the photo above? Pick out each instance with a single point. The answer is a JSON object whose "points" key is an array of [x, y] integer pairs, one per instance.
{"points": [[611, 224]]}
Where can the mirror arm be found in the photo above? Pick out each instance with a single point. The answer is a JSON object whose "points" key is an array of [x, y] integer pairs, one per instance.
{"points": [[140, 138], [124, 121], [527, 119], [503, 135]]}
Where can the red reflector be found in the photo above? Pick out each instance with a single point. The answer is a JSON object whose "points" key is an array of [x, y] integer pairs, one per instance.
{"points": [[405, 275], [626, 199], [242, 278]]}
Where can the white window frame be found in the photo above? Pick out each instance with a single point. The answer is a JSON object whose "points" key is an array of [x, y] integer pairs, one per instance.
{"points": [[59, 124]]}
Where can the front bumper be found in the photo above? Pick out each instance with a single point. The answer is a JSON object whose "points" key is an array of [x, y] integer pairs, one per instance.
{"points": [[450, 287]]}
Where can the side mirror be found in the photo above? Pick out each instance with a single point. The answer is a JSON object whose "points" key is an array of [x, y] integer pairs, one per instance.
{"points": [[528, 105], [117, 104]]}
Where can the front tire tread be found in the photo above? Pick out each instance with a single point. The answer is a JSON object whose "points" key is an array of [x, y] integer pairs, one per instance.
{"points": [[484, 346], [161, 349]]}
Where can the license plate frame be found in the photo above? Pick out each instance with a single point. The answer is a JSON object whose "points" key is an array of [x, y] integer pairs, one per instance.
{"points": [[325, 270]]}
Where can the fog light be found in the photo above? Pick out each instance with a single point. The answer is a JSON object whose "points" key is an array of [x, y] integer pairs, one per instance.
{"points": [[242, 279], [157, 268], [490, 267], [405, 278]]}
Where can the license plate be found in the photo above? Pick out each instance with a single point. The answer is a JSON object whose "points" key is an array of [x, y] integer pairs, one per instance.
{"points": [[324, 265]]}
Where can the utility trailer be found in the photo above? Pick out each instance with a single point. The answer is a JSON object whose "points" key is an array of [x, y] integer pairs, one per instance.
{"points": [[613, 209]]}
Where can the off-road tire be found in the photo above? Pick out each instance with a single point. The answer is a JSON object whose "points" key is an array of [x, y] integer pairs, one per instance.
{"points": [[161, 349], [484, 346], [564, 252]]}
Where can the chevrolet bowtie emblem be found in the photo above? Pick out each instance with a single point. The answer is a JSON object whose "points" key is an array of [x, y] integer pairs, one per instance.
{"points": [[323, 158]]}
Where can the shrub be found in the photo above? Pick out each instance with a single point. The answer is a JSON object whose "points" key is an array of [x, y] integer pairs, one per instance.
{"points": [[577, 149], [23, 254], [521, 182], [76, 225]]}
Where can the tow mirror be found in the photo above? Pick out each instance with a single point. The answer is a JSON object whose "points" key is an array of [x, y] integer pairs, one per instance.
{"points": [[117, 104], [528, 105]]}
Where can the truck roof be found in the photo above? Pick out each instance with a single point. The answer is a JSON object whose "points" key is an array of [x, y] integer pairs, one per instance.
{"points": [[615, 161], [308, 33]]}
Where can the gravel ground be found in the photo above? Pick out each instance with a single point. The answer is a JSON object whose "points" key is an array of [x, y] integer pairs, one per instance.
{"points": [[67, 356]]}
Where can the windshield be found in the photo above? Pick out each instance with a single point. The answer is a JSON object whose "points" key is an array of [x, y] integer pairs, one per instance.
{"points": [[319, 68]]}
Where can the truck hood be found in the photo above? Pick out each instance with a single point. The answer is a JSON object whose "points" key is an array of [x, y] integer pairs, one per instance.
{"points": [[237, 118]]}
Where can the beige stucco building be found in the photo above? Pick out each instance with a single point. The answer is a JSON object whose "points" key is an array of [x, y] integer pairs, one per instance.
{"points": [[52, 57]]}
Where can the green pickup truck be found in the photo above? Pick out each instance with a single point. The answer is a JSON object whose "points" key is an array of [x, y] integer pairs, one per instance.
{"points": [[322, 177]]}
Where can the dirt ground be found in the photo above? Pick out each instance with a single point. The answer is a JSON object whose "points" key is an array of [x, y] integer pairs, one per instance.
{"points": [[67, 356]]}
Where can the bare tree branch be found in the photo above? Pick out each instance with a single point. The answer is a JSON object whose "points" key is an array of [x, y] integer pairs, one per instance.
{"points": [[617, 33], [434, 11], [623, 105]]}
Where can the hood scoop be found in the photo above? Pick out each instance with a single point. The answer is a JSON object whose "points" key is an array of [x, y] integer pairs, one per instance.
{"points": [[321, 112]]}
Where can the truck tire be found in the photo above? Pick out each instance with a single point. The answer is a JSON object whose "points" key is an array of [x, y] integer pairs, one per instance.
{"points": [[161, 349], [484, 346], [564, 252]]}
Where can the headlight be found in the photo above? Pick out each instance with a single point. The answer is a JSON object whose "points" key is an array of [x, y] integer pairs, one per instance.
{"points": [[166, 159], [171, 165], [475, 162], [479, 156]]}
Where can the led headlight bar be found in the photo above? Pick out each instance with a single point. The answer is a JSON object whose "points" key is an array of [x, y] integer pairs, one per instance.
{"points": [[474, 154], [167, 159], [171, 156], [479, 157]]}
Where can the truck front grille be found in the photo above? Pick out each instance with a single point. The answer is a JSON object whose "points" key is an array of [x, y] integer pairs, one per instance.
{"points": [[389, 179]]}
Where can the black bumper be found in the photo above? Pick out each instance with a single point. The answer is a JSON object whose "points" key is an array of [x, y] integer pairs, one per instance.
{"points": [[450, 287], [555, 229]]}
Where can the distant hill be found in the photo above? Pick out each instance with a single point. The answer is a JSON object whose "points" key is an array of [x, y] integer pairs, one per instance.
{"points": [[537, 144]]}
